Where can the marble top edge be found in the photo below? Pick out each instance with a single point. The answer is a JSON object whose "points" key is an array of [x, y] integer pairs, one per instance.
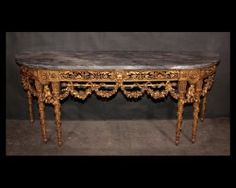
{"points": [[209, 53], [120, 67], [104, 60]]}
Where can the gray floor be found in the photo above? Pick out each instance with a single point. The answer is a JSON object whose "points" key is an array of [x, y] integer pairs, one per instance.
{"points": [[119, 137]]}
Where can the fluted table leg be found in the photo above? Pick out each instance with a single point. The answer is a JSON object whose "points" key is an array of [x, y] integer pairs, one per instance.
{"points": [[203, 111], [182, 90], [196, 105], [30, 107], [57, 111], [41, 106]]}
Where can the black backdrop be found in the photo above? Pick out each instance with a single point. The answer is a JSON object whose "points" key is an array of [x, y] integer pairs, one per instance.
{"points": [[118, 108]]}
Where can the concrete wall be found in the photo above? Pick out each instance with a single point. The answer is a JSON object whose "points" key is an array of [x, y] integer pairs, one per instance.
{"points": [[118, 108]]}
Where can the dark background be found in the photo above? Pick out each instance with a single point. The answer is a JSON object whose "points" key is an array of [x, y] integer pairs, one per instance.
{"points": [[118, 108]]}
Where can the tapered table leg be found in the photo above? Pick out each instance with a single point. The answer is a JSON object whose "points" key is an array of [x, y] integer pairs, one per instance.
{"points": [[30, 107], [203, 111], [196, 105], [57, 111], [182, 90], [41, 106]]}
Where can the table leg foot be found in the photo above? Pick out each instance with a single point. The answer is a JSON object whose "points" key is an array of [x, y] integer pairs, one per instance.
{"points": [[45, 140], [60, 143]]}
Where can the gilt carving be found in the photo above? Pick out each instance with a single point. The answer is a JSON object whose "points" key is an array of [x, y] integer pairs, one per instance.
{"points": [[52, 86]]}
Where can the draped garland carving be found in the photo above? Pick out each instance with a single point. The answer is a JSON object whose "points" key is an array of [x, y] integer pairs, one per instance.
{"points": [[133, 84], [87, 89]]}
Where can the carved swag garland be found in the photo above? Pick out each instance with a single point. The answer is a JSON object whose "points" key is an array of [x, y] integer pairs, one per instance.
{"points": [[133, 84]]}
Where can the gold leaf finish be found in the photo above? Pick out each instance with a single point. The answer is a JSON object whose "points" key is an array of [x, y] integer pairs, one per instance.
{"points": [[52, 86]]}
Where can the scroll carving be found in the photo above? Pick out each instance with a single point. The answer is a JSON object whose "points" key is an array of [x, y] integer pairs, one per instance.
{"points": [[87, 75], [148, 75]]}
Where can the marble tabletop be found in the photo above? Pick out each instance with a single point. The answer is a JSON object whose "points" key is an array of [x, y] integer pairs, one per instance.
{"points": [[102, 60]]}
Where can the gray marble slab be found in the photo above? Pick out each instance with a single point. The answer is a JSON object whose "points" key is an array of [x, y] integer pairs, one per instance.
{"points": [[102, 60]]}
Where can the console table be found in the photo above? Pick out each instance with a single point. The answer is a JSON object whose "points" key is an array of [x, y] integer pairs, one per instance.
{"points": [[53, 76]]}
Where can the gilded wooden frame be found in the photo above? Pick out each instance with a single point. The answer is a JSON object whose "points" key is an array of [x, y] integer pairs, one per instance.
{"points": [[52, 86]]}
